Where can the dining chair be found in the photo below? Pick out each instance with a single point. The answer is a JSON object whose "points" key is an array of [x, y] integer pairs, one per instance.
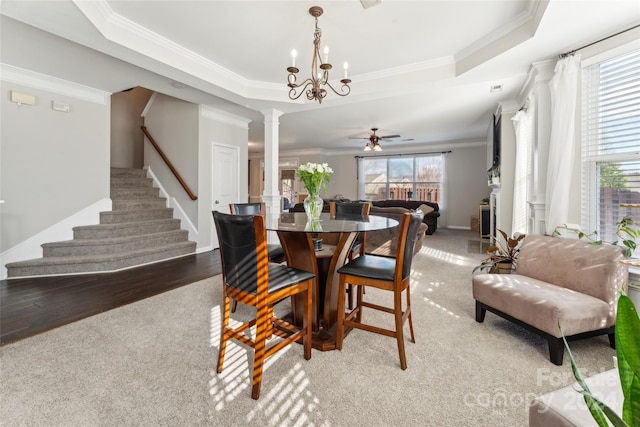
{"points": [[352, 208], [250, 278], [275, 250], [387, 274]]}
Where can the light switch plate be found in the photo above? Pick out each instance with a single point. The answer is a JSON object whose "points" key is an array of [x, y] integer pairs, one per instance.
{"points": [[60, 106]]}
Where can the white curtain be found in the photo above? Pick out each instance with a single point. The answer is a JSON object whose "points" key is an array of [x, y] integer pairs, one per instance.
{"points": [[523, 123], [564, 100]]}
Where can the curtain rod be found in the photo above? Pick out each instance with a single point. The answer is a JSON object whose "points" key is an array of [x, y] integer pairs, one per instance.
{"points": [[404, 154], [564, 55]]}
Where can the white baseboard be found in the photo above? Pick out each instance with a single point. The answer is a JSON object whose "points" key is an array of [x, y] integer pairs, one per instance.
{"points": [[63, 230], [458, 227]]}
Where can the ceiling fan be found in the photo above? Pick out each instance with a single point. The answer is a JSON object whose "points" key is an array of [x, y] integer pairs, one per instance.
{"points": [[374, 140]]}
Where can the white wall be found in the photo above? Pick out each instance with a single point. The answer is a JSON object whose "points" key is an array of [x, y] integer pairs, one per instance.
{"points": [[53, 164]]}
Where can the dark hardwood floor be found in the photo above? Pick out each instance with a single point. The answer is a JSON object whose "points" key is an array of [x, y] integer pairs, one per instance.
{"points": [[32, 306]]}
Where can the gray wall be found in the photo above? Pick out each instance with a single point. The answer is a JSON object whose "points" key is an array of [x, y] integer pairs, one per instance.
{"points": [[173, 124], [127, 139], [218, 128], [53, 164]]}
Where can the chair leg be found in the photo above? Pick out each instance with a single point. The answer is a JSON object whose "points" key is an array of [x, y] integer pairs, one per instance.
{"points": [[307, 323], [397, 302], [234, 306], [350, 296], [408, 310], [223, 332], [359, 298], [262, 330], [556, 350], [480, 312], [612, 340]]}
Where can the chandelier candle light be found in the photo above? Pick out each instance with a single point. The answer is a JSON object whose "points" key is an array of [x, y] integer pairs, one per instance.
{"points": [[314, 176], [314, 86]]}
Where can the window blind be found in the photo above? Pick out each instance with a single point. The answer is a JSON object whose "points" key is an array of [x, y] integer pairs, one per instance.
{"points": [[611, 143]]}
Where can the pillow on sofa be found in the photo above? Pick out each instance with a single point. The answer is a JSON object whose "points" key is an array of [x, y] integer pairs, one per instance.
{"points": [[426, 209]]}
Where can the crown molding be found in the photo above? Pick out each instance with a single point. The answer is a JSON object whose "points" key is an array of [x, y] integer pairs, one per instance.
{"points": [[522, 28], [124, 32], [33, 79], [221, 116]]}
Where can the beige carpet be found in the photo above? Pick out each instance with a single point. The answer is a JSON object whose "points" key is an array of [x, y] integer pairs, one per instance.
{"points": [[153, 363]]}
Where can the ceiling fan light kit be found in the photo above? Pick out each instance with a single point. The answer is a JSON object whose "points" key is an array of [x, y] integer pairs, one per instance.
{"points": [[314, 87], [374, 140]]}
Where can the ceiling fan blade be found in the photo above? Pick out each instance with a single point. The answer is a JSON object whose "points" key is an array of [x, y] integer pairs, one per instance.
{"points": [[389, 136], [355, 137]]}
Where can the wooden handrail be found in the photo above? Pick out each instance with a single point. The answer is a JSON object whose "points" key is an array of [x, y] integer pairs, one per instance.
{"points": [[166, 160]]}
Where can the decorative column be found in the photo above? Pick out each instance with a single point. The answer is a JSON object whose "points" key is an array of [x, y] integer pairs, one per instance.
{"points": [[540, 73], [271, 194]]}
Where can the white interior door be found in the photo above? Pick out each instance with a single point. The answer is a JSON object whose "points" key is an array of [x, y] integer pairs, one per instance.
{"points": [[225, 179]]}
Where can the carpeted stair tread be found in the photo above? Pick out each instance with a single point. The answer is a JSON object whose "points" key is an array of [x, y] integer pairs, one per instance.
{"points": [[139, 229], [121, 216], [111, 245], [105, 231], [104, 262]]}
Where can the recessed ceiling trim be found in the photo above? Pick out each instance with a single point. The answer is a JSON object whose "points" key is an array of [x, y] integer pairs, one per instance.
{"points": [[522, 28], [131, 35]]}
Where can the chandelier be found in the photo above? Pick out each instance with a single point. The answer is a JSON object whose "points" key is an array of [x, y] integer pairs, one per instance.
{"points": [[315, 85]]}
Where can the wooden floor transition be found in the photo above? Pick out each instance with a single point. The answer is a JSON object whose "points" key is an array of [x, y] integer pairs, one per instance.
{"points": [[32, 306]]}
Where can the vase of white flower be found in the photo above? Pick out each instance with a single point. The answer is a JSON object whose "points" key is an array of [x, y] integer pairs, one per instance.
{"points": [[314, 176]]}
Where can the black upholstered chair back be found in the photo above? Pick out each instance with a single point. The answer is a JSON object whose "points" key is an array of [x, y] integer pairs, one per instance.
{"points": [[410, 235], [247, 208], [352, 208], [240, 249]]}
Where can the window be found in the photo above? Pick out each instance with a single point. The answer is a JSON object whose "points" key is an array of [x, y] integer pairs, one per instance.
{"points": [[611, 143], [402, 178]]}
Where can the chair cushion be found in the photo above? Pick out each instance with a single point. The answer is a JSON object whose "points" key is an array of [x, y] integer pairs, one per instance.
{"points": [[281, 276], [370, 266], [275, 251]]}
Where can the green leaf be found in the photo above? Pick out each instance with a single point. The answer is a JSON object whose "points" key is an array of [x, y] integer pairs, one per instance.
{"points": [[628, 353]]}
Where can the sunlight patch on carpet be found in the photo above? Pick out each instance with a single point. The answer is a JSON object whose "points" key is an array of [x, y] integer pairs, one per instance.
{"points": [[449, 257]]}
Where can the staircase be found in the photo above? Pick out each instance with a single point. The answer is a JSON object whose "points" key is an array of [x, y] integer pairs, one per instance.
{"points": [[140, 229]]}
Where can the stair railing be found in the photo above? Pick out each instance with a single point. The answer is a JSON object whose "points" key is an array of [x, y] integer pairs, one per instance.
{"points": [[166, 160]]}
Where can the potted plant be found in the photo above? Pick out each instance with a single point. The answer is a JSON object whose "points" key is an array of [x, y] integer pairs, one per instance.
{"points": [[502, 255], [626, 230], [627, 336]]}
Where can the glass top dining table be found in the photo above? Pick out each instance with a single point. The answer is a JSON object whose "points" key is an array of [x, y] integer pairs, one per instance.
{"points": [[340, 223], [338, 233]]}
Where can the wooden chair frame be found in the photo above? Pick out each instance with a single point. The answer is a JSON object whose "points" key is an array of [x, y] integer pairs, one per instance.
{"points": [[265, 322], [399, 285]]}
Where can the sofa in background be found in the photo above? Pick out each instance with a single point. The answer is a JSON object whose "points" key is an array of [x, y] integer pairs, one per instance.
{"points": [[431, 218], [557, 280]]}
